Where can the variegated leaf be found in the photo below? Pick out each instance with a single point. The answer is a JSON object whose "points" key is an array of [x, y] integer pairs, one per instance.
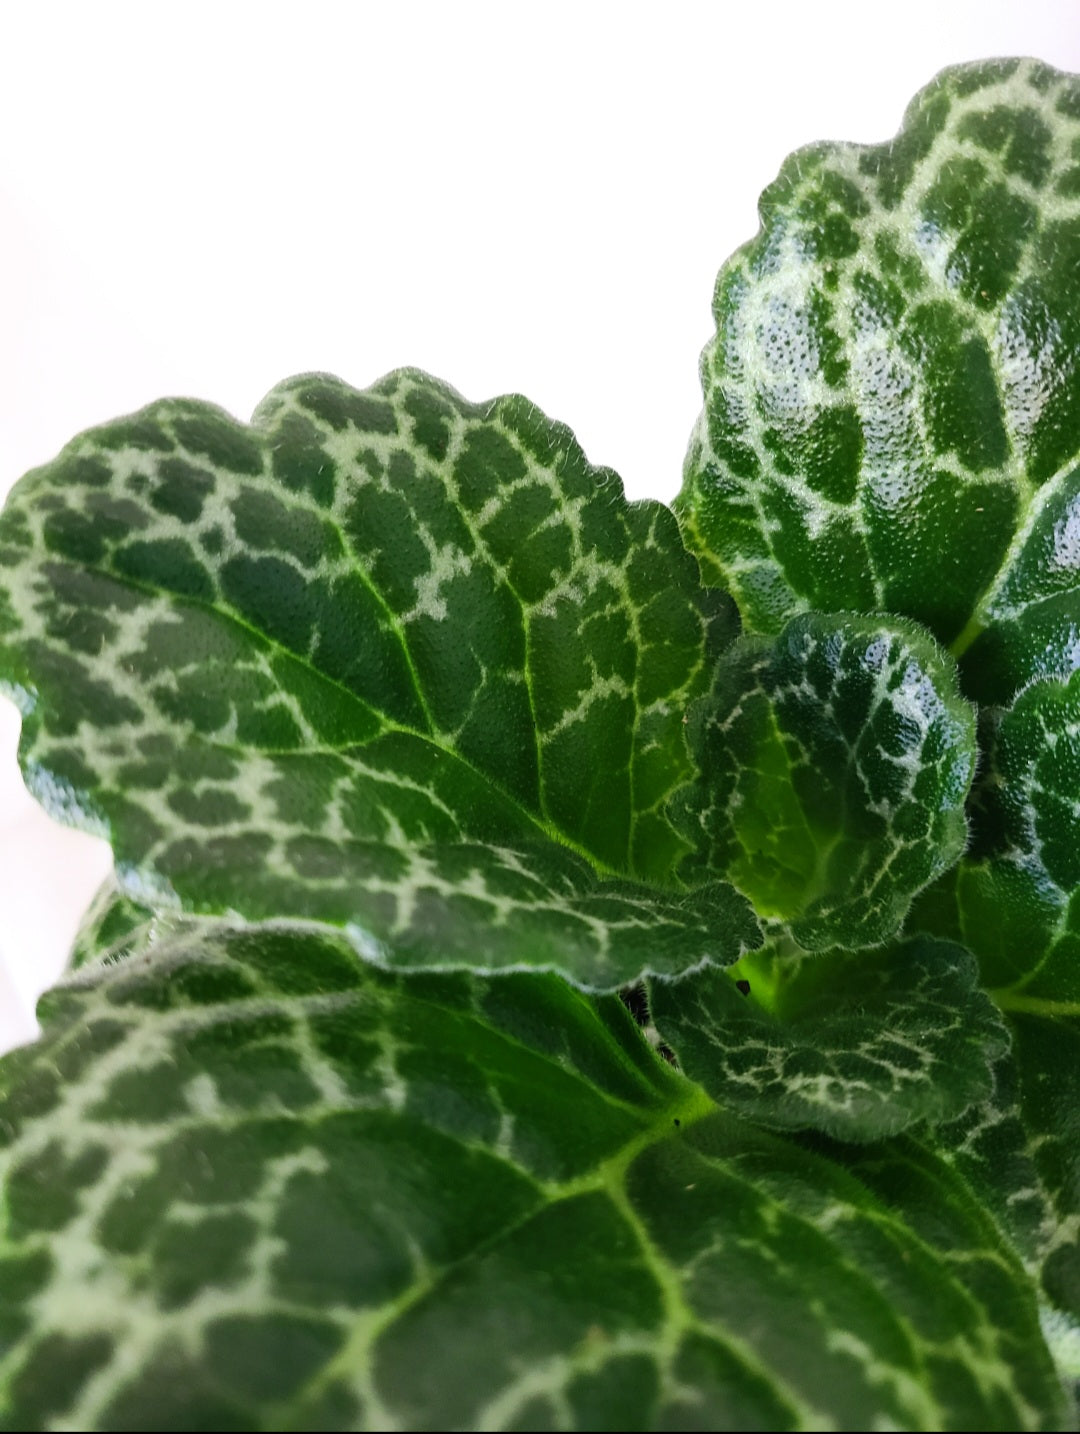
{"points": [[860, 1045], [892, 401], [386, 660], [250, 1182], [834, 766]]}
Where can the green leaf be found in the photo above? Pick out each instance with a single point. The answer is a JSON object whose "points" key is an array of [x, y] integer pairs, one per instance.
{"points": [[1020, 1149], [392, 706], [1020, 1153], [385, 660], [1047, 1047], [860, 1045], [248, 1181], [1015, 899], [834, 766], [892, 402]]}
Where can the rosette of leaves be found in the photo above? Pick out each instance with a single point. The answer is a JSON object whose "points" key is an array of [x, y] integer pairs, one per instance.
{"points": [[417, 744]]}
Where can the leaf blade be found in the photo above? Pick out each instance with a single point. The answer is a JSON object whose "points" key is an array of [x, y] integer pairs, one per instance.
{"points": [[890, 404], [374, 634], [834, 765], [858, 1045], [242, 1187]]}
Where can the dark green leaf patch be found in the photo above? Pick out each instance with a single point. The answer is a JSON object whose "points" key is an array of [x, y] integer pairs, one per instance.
{"points": [[1016, 898]]}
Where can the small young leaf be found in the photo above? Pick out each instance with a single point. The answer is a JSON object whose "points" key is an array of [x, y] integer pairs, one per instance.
{"points": [[860, 1045], [835, 762], [249, 1182], [386, 660], [892, 402]]}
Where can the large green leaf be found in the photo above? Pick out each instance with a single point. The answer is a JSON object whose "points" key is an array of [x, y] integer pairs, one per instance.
{"points": [[834, 766], [386, 660], [248, 1181], [860, 1045], [892, 399]]}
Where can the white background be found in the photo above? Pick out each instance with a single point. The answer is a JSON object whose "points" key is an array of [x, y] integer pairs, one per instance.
{"points": [[201, 199]]}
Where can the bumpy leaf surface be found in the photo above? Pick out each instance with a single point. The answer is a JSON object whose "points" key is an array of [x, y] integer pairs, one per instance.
{"points": [[386, 660], [249, 1181], [834, 766], [892, 399], [1015, 898], [860, 1045]]}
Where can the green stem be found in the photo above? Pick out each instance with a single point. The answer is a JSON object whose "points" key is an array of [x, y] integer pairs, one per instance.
{"points": [[1009, 999]]}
